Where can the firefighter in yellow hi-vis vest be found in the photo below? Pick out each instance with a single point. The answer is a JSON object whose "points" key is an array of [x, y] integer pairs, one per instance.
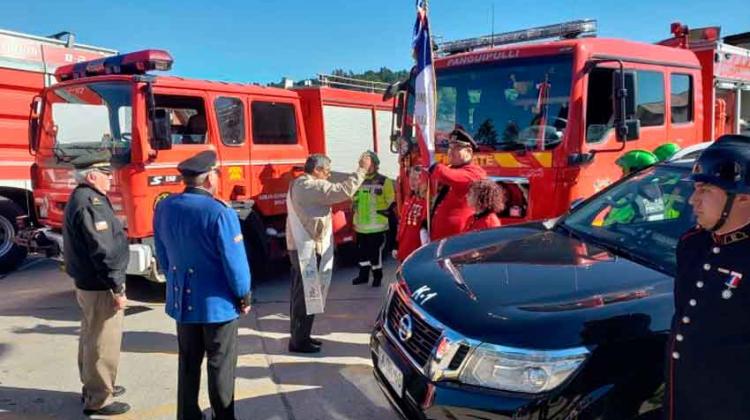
{"points": [[372, 206]]}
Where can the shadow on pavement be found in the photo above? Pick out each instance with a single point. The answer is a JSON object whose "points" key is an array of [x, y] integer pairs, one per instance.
{"points": [[23, 403]]}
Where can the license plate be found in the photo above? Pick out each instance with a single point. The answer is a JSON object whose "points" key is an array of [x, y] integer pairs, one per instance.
{"points": [[391, 372]]}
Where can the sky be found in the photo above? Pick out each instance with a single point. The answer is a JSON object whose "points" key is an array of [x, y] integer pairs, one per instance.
{"points": [[261, 41]]}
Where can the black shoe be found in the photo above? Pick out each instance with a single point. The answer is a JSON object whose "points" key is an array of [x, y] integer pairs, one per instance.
{"points": [[316, 342], [359, 280], [116, 392], [112, 409], [305, 348]]}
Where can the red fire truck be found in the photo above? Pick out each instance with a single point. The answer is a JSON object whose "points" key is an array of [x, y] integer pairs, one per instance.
{"points": [[553, 107], [150, 123], [27, 63]]}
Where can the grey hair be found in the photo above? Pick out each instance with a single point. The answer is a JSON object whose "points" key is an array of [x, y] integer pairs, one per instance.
{"points": [[195, 180], [315, 161], [80, 175]]}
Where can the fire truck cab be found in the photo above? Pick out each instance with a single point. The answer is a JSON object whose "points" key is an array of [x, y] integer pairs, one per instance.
{"points": [[553, 107], [150, 124]]}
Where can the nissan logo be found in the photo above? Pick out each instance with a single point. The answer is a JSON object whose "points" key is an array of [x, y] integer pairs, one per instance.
{"points": [[404, 327]]}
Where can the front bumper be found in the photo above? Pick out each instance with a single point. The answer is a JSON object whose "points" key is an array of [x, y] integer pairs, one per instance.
{"points": [[48, 242], [424, 399]]}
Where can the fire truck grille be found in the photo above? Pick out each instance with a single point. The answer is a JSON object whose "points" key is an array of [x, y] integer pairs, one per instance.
{"points": [[424, 337]]}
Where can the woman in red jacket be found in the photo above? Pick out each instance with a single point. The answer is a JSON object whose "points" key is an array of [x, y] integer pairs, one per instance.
{"points": [[487, 199]]}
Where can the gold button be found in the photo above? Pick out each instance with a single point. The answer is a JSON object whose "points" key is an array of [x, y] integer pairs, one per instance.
{"points": [[190, 308], [693, 302], [699, 284], [679, 337], [675, 355], [685, 319], [716, 250], [187, 291], [190, 270], [706, 267]]}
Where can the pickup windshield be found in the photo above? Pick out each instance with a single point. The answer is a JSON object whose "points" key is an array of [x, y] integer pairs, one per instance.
{"points": [[641, 218], [508, 105], [89, 117]]}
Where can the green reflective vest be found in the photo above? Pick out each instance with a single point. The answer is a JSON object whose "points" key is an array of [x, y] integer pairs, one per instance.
{"points": [[371, 202]]}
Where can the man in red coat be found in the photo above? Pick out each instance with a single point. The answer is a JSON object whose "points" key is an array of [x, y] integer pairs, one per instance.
{"points": [[451, 211]]}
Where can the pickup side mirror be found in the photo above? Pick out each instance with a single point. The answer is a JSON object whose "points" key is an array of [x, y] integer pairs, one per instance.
{"points": [[35, 112], [161, 130]]}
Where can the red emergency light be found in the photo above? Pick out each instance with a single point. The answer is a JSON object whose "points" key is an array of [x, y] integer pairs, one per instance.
{"points": [[138, 62]]}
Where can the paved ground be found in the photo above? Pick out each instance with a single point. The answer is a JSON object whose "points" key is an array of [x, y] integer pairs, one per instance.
{"points": [[38, 345]]}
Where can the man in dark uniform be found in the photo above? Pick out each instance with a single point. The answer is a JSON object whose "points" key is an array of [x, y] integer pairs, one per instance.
{"points": [[200, 248], [709, 348], [96, 257], [451, 211]]}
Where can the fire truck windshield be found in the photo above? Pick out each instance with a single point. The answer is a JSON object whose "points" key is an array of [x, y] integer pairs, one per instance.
{"points": [[89, 116], [507, 105]]}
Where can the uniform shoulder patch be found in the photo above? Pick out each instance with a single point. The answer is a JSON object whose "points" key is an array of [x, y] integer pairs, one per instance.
{"points": [[101, 225], [692, 232], [95, 201]]}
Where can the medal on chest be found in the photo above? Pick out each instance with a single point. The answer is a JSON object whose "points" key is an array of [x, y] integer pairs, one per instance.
{"points": [[413, 218], [732, 283]]}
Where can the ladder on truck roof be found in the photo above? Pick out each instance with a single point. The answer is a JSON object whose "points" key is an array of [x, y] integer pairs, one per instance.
{"points": [[341, 82], [564, 30]]}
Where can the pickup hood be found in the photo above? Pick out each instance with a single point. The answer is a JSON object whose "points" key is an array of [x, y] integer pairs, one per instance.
{"points": [[535, 288]]}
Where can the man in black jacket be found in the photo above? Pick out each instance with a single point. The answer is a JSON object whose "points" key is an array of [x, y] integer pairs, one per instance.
{"points": [[96, 256]]}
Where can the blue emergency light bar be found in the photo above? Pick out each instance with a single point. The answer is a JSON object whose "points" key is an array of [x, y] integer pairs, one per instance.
{"points": [[565, 30], [138, 62]]}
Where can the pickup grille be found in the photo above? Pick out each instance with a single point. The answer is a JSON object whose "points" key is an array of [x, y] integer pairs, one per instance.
{"points": [[424, 337]]}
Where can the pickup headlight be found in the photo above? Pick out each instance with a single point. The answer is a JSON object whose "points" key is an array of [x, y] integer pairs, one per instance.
{"points": [[520, 370]]}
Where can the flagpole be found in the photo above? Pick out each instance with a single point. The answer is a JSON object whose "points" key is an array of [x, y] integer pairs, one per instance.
{"points": [[433, 116]]}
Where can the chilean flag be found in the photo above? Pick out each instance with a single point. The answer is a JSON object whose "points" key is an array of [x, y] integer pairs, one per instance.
{"points": [[424, 88]]}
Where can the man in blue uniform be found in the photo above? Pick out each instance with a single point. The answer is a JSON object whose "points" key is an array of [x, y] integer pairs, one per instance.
{"points": [[709, 347], [200, 249]]}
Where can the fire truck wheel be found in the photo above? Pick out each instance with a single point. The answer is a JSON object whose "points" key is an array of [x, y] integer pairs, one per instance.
{"points": [[11, 255]]}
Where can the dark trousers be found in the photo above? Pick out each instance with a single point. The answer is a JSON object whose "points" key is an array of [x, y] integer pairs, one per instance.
{"points": [[301, 323], [370, 249], [218, 342]]}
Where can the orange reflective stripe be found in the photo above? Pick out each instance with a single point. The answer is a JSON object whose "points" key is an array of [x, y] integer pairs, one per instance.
{"points": [[544, 158]]}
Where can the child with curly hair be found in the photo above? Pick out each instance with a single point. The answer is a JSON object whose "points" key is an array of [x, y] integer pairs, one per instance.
{"points": [[487, 199]]}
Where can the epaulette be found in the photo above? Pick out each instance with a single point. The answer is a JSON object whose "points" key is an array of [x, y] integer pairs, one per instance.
{"points": [[692, 232], [95, 201]]}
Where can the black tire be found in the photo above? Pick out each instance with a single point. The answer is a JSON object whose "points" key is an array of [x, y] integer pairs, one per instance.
{"points": [[11, 255], [257, 245]]}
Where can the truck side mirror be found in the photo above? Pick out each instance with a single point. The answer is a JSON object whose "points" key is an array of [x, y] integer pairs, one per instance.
{"points": [[34, 115], [161, 130], [397, 122], [623, 95]]}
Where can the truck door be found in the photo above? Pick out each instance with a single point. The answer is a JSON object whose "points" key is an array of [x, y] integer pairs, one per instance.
{"points": [[230, 115], [646, 112], [278, 150], [192, 132]]}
